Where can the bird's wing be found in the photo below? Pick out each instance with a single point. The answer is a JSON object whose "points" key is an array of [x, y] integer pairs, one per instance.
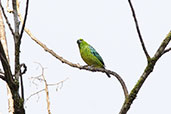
{"points": [[96, 54]]}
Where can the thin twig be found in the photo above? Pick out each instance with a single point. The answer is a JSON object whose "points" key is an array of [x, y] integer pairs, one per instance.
{"points": [[138, 30], [167, 50], [6, 19], [35, 94], [25, 18]]}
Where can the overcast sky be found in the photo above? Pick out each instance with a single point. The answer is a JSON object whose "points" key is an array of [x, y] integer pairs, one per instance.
{"points": [[109, 27]]}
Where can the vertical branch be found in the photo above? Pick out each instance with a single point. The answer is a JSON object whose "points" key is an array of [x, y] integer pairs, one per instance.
{"points": [[138, 30]]}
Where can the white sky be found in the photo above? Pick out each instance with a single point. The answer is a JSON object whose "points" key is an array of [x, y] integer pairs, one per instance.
{"points": [[108, 26]]}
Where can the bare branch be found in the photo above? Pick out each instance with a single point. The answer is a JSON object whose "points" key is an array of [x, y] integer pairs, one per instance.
{"points": [[149, 68], [25, 17], [138, 30], [6, 19]]}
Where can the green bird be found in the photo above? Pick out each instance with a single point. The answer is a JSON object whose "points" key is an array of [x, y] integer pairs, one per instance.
{"points": [[90, 55]]}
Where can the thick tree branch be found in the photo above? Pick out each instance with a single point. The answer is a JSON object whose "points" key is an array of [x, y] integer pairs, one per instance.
{"points": [[138, 30], [149, 68]]}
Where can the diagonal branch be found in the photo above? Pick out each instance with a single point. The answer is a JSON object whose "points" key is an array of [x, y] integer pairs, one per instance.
{"points": [[6, 19], [138, 30]]}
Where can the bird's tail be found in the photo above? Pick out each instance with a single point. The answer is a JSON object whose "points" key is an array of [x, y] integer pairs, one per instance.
{"points": [[108, 75]]}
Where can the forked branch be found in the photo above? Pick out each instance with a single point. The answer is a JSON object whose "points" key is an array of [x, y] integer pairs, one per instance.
{"points": [[149, 68]]}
